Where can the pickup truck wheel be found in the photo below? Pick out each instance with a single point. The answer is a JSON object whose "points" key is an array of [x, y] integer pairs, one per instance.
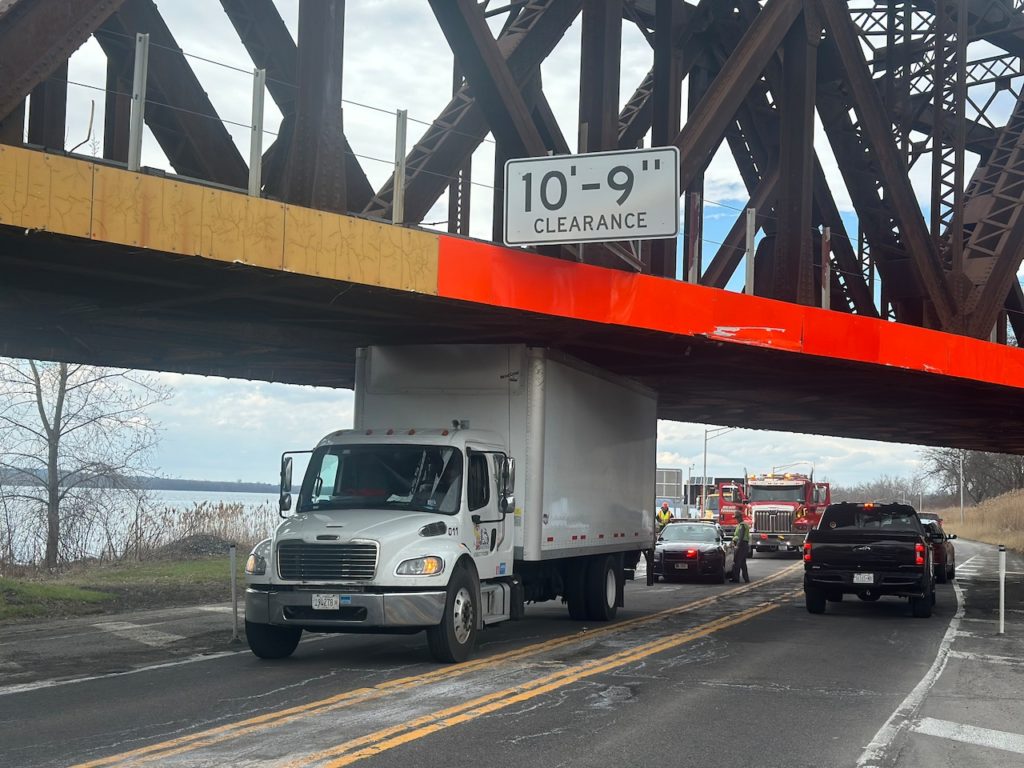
{"points": [[270, 642], [940, 577], [815, 600], [454, 639], [921, 607], [602, 587], [952, 571]]}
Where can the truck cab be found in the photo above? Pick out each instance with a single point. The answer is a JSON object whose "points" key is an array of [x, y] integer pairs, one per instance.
{"points": [[782, 508], [382, 522]]}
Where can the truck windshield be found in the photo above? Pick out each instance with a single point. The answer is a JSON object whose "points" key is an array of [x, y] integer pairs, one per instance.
{"points": [[421, 478], [776, 493]]}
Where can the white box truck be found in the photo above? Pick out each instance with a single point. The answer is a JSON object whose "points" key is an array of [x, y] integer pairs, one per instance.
{"points": [[408, 522]]}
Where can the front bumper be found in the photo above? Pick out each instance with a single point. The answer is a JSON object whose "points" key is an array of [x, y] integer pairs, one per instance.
{"points": [[357, 610], [702, 566], [777, 542], [892, 583]]}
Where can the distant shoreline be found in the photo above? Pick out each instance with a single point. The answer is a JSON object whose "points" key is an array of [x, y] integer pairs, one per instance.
{"points": [[219, 486]]}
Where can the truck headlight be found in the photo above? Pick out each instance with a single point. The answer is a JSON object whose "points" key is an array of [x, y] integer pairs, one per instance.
{"points": [[421, 566], [256, 565]]}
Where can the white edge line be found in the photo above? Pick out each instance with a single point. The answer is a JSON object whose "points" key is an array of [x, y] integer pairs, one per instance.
{"points": [[899, 719]]}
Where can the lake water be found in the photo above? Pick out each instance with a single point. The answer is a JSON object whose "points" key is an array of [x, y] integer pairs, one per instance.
{"points": [[187, 499]]}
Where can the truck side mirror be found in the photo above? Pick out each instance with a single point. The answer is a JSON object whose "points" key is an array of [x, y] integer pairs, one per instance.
{"points": [[285, 500], [506, 484]]}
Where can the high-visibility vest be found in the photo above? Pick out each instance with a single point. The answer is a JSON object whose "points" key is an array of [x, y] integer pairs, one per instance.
{"points": [[742, 533], [664, 516]]}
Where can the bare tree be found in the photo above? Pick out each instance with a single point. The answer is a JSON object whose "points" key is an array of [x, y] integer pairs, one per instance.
{"points": [[71, 437], [985, 474]]}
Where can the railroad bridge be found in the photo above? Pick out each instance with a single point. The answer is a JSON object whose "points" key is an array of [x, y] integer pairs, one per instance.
{"points": [[278, 265]]}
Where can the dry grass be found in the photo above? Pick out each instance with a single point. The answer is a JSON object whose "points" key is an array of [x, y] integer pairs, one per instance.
{"points": [[996, 521]]}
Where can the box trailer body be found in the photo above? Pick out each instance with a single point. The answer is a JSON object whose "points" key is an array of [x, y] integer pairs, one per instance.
{"points": [[578, 444]]}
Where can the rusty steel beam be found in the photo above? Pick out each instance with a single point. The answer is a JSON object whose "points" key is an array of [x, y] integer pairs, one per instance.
{"points": [[706, 125], [693, 24], [118, 104], [599, 74], [47, 110], [492, 83], [1014, 307], [315, 172], [666, 109], [461, 126], [12, 127], [793, 277], [38, 36], [899, 193], [178, 111], [270, 45], [994, 215]]}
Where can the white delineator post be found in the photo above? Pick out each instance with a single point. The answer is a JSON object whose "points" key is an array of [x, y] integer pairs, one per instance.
{"points": [[751, 230], [398, 197], [234, 595], [259, 84], [138, 113], [1002, 587]]}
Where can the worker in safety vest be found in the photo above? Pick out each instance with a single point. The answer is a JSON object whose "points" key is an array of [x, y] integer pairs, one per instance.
{"points": [[664, 515], [741, 538]]}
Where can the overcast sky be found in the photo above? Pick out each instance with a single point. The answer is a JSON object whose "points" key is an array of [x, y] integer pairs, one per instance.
{"points": [[396, 57]]}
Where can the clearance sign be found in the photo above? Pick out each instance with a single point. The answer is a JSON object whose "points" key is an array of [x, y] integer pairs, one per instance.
{"points": [[602, 196]]}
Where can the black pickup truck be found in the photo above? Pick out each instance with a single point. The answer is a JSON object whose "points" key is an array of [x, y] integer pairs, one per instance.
{"points": [[869, 550]]}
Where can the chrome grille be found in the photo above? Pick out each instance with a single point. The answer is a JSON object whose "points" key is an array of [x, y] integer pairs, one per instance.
{"points": [[773, 521], [299, 561]]}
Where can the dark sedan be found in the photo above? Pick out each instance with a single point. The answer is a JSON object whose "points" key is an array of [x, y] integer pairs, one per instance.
{"points": [[943, 551], [693, 550]]}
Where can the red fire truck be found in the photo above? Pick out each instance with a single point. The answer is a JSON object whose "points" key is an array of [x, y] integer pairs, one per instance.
{"points": [[724, 503], [782, 508]]}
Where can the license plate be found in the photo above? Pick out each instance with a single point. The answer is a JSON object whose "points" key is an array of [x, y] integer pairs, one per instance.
{"points": [[863, 578], [325, 602], [682, 566]]}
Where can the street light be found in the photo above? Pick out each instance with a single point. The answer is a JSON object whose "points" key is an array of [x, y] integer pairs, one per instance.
{"points": [[709, 434]]}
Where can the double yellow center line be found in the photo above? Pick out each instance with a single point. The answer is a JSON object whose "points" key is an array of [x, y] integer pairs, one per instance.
{"points": [[374, 743]]}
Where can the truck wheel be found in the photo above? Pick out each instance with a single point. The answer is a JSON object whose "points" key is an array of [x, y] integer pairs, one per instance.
{"points": [[270, 642], [940, 577], [575, 587], [815, 600], [602, 587], [454, 639], [952, 571], [921, 607]]}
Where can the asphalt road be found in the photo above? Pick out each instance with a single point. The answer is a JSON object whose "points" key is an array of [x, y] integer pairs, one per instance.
{"points": [[689, 674]]}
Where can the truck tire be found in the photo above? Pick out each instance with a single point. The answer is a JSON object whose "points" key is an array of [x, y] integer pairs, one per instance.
{"points": [[575, 587], [814, 599], [453, 640], [952, 571], [602, 588], [270, 642], [940, 577], [921, 607]]}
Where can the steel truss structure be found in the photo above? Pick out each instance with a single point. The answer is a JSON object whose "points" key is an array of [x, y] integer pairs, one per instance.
{"points": [[924, 87]]}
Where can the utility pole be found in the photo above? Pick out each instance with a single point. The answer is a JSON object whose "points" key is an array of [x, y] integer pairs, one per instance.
{"points": [[961, 487]]}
